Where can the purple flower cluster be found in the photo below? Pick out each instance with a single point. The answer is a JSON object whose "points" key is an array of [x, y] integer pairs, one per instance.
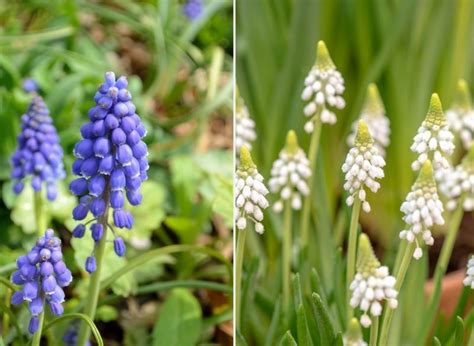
{"points": [[42, 273], [38, 153], [193, 9], [111, 162]]}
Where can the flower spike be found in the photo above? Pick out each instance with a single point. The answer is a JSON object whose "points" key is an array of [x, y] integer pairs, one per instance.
{"points": [[43, 275], [290, 173], [363, 165], [461, 115], [373, 113], [323, 88], [423, 209], [250, 193], [111, 162], [39, 154], [434, 140], [372, 284]]}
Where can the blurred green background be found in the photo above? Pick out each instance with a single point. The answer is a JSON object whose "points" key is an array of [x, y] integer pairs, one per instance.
{"points": [[410, 49], [179, 72]]}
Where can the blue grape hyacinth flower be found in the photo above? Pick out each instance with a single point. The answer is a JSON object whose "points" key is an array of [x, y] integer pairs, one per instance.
{"points": [[111, 163], [193, 9], [42, 274], [38, 154]]}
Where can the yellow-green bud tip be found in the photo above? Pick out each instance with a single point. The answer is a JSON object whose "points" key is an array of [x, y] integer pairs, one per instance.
{"points": [[426, 173], [435, 114], [323, 59], [363, 137], [246, 162], [462, 99], [373, 102], [354, 331], [366, 260], [291, 143]]}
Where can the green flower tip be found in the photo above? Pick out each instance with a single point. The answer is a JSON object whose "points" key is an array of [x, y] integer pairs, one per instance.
{"points": [[366, 260], [373, 101], [292, 143], [246, 162], [435, 114], [462, 99], [323, 59], [363, 137], [354, 331], [426, 173]]}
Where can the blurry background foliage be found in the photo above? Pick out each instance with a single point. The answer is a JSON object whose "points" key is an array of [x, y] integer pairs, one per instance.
{"points": [[410, 49], [179, 73]]}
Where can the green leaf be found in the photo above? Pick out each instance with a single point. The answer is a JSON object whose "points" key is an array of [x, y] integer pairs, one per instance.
{"points": [[321, 315], [304, 337], [459, 338], [274, 324], [150, 213], [338, 341], [179, 320], [288, 340]]}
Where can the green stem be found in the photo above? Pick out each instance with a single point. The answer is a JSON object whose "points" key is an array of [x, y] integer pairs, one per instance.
{"points": [[287, 239], [374, 331], [37, 336], [400, 277], [239, 260], [312, 155], [6, 317], [94, 284], [352, 252], [448, 246], [39, 215]]}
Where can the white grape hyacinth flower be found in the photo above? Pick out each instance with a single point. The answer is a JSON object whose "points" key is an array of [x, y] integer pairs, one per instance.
{"points": [[323, 88], [373, 285], [461, 115], [362, 167], [353, 336], [289, 175], [374, 116], [422, 210], [434, 140], [469, 279], [244, 127], [457, 183], [250, 192]]}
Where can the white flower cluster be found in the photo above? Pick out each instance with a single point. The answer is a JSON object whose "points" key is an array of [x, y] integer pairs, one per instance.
{"points": [[290, 173], [324, 86], [422, 209], [433, 141], [469, 279], [244, 128], [374, 116], [461, 116], [250, 192], [363, 165], [458, 183], [373, 285]]}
